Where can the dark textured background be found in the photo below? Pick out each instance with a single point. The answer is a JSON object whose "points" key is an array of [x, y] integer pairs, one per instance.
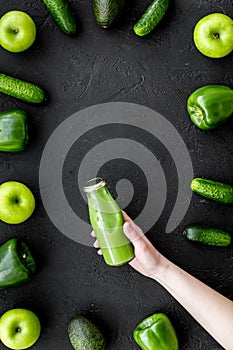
{"points": [[97, 66]]}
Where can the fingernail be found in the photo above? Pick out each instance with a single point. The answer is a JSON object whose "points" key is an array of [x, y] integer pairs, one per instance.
{"points": [[96, 244]]}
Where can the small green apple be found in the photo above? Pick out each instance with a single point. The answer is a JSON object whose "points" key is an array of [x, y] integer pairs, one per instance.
{"points": [[213, 35], [19, 329], [17, 202], [17, 31]]}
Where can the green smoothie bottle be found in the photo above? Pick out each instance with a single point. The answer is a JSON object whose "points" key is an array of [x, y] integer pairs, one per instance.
{"points": [[107, 222]]}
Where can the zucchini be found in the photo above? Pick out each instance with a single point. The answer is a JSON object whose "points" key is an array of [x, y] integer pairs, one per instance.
{"points": [[207, 235], [62, 15], [21, 89], [214, 190], [151, 17]]}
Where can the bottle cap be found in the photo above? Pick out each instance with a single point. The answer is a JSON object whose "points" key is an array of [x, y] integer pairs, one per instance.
{"points": [[94, 184]]}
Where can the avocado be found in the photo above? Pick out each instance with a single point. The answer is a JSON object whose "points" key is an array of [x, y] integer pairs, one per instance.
{"points": [[106, 11], [83, 334]]}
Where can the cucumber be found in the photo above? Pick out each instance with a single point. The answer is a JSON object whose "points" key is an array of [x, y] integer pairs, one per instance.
{"points": [[207, 235], [84, 335], [21, 89], [214, 190], [106, 11], [61, 14], [151, 17]]}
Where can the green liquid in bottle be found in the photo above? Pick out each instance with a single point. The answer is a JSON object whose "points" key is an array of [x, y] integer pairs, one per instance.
{"points": [[107, 222]]}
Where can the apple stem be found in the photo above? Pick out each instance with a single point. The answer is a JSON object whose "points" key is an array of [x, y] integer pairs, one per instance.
{"points": [[216, 36], [18, 330]]}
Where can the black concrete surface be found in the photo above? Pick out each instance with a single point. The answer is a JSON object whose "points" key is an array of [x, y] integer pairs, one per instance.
{"points": [[97, 66]]}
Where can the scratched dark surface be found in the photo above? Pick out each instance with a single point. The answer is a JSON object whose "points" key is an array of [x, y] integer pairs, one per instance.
{"points": [[97, 66]]}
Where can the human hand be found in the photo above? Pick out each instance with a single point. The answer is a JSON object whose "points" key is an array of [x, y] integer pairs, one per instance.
{"points": [[202, 302], [147, 259]]}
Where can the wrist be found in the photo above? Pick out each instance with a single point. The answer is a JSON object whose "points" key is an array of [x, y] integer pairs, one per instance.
{"points": [[161, 271]]}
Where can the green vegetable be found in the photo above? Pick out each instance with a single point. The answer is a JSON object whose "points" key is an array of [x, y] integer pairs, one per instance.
{"points": [[61, 14], [214, 190], [156, 333], [21, 89], [151, 17], [106, 11], [84, 334], [17, 265], [13, 130], [210, 106], [207, 235]]}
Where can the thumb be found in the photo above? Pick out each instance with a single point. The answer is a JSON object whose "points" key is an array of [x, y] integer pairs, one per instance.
{"points": [[132, 231]]}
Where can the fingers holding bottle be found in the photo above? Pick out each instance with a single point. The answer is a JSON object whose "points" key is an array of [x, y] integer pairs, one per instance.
{"points": [[147, 259], [96, 244]]}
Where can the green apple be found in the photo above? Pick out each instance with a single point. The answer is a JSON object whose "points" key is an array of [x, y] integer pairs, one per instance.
{"points": [[213, 35], [19, 329], [17, 31], [17, 202]]}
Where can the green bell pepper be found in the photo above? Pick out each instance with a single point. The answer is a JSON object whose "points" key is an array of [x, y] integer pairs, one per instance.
{"points": [[210, 106], [17, 265], [13, 130], [156, 333]]}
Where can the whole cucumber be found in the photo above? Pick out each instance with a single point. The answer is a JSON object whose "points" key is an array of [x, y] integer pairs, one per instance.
{"points": [[21, 89], [151, 17], [214, 190], [61, 14], [207, 235]]}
